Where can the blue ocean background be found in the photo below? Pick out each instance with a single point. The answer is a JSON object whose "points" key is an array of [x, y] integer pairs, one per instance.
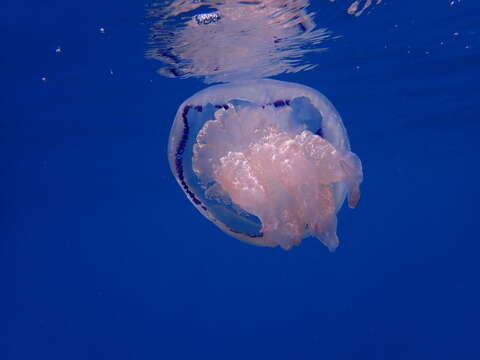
{"points": [[103, 257]]}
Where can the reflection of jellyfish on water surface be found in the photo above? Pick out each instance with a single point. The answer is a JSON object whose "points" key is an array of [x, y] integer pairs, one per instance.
{"points": [[267, 161]]}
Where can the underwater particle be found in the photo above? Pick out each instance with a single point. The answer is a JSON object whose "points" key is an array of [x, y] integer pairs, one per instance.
{"points": [[267, 161], [367, 4], [102, 30], [352, 9], [44, 79], [58, 50]]}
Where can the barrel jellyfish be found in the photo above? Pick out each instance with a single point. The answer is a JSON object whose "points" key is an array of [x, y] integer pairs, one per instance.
{"points": [[266, 161]]}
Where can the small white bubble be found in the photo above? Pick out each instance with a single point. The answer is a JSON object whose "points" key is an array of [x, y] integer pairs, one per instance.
{"points": [[44, 78], [102, 30], [58, 50], [456, 33], [111, 72], [357, 67]]}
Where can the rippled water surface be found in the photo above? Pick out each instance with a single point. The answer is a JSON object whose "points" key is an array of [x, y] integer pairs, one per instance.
{"points": [[103, 257]]}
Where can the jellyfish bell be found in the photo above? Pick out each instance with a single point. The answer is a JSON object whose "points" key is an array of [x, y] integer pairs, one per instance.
{"points": [[267, 161]]}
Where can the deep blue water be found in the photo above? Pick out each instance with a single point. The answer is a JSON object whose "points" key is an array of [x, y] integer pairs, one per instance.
{"points": [[103, 257]]}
